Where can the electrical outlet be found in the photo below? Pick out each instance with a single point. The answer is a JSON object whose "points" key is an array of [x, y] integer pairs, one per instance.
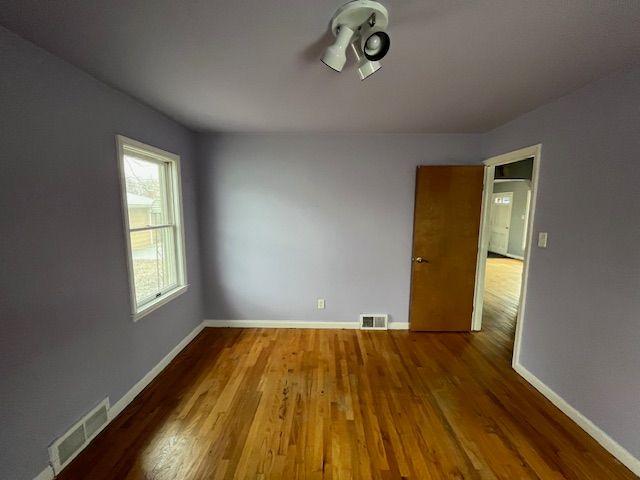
{"points": [[321, 304]]}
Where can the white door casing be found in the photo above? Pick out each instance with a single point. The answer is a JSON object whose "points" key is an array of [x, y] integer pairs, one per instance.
{"points": [[535, 152]]}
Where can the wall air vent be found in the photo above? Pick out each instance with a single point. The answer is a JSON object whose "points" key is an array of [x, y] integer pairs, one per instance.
{"points": [[374, 321], [70, 444]]}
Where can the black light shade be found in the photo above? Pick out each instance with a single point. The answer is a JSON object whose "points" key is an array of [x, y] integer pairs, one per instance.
{"points": [[381, 50]]}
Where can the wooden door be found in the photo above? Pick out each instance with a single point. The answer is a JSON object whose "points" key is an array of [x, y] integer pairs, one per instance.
{"points": [[500, 221], [445, 247]]}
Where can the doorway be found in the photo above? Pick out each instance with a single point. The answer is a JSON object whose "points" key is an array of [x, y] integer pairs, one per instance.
{"points": [[500, 221], [504, 243]]}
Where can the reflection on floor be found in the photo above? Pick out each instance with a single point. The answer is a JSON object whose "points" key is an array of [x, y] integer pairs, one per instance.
{"points": [[334, 404], [501, 297]]}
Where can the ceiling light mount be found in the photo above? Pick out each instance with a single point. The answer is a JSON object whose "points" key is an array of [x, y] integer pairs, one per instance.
{"points": [[363, 24]]}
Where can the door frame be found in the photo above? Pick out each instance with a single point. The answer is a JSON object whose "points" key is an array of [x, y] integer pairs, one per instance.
{"points": [[493, 195], [534, 152]]}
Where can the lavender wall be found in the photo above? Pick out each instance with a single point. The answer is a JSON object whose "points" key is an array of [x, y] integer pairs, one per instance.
{"points": [[286, 219], [68, 339], [582, 330]]}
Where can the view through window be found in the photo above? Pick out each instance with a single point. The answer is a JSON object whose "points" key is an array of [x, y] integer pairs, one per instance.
{"points": [[154, 226]]}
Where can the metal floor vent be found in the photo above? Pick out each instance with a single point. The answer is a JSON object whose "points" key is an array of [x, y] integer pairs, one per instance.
{"points": [[65, 448], [373, 321]]}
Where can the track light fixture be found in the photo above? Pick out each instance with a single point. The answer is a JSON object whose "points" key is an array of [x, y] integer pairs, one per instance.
{"points": [[361, 24]]}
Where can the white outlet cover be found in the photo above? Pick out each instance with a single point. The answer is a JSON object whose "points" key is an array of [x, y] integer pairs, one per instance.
{"points": [[321, 304], [542, 239]]}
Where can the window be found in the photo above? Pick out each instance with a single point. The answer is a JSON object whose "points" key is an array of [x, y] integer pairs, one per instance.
{"points": [[153, 224]]}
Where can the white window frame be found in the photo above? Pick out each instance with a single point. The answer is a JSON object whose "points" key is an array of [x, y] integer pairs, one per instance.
{"points": [[174, 182]]}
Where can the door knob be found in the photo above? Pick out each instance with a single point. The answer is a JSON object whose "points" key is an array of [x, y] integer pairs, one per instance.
{"points": [[421, 260]]}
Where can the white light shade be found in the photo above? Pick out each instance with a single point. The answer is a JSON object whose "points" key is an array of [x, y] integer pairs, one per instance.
{"points": [[336, 55], [366, 68]]}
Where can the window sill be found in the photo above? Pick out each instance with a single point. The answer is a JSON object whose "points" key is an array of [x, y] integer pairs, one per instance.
{"points": [[152, 306]]}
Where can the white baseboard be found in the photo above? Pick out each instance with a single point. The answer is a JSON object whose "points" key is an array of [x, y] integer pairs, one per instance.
{"points": [[46, 474], [509, 255], [120, 405], [398, 326], [294, 324], [277, 324], [613, 447]]}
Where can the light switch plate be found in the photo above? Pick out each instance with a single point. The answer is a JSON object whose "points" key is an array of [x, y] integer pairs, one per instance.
{"points": [[542, 239], [321, 304]]}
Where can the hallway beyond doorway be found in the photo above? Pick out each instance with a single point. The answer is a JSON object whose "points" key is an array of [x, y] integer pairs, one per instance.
{"points": [[502, 295]]}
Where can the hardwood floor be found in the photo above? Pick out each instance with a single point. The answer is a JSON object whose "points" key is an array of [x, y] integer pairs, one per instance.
{"points": [[335, 404], [501, 299]]}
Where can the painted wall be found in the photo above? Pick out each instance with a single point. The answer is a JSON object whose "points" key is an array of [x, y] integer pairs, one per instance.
{"points": [[518, 213], [582, 330], [286, 219], [68, 339]]}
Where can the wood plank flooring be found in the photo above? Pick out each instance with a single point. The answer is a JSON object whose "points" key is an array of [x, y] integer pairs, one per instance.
{"points": [[340, 404], [501, 299]]}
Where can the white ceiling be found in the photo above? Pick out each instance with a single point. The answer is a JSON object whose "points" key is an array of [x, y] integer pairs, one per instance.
{"points": [[252, 65]]}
